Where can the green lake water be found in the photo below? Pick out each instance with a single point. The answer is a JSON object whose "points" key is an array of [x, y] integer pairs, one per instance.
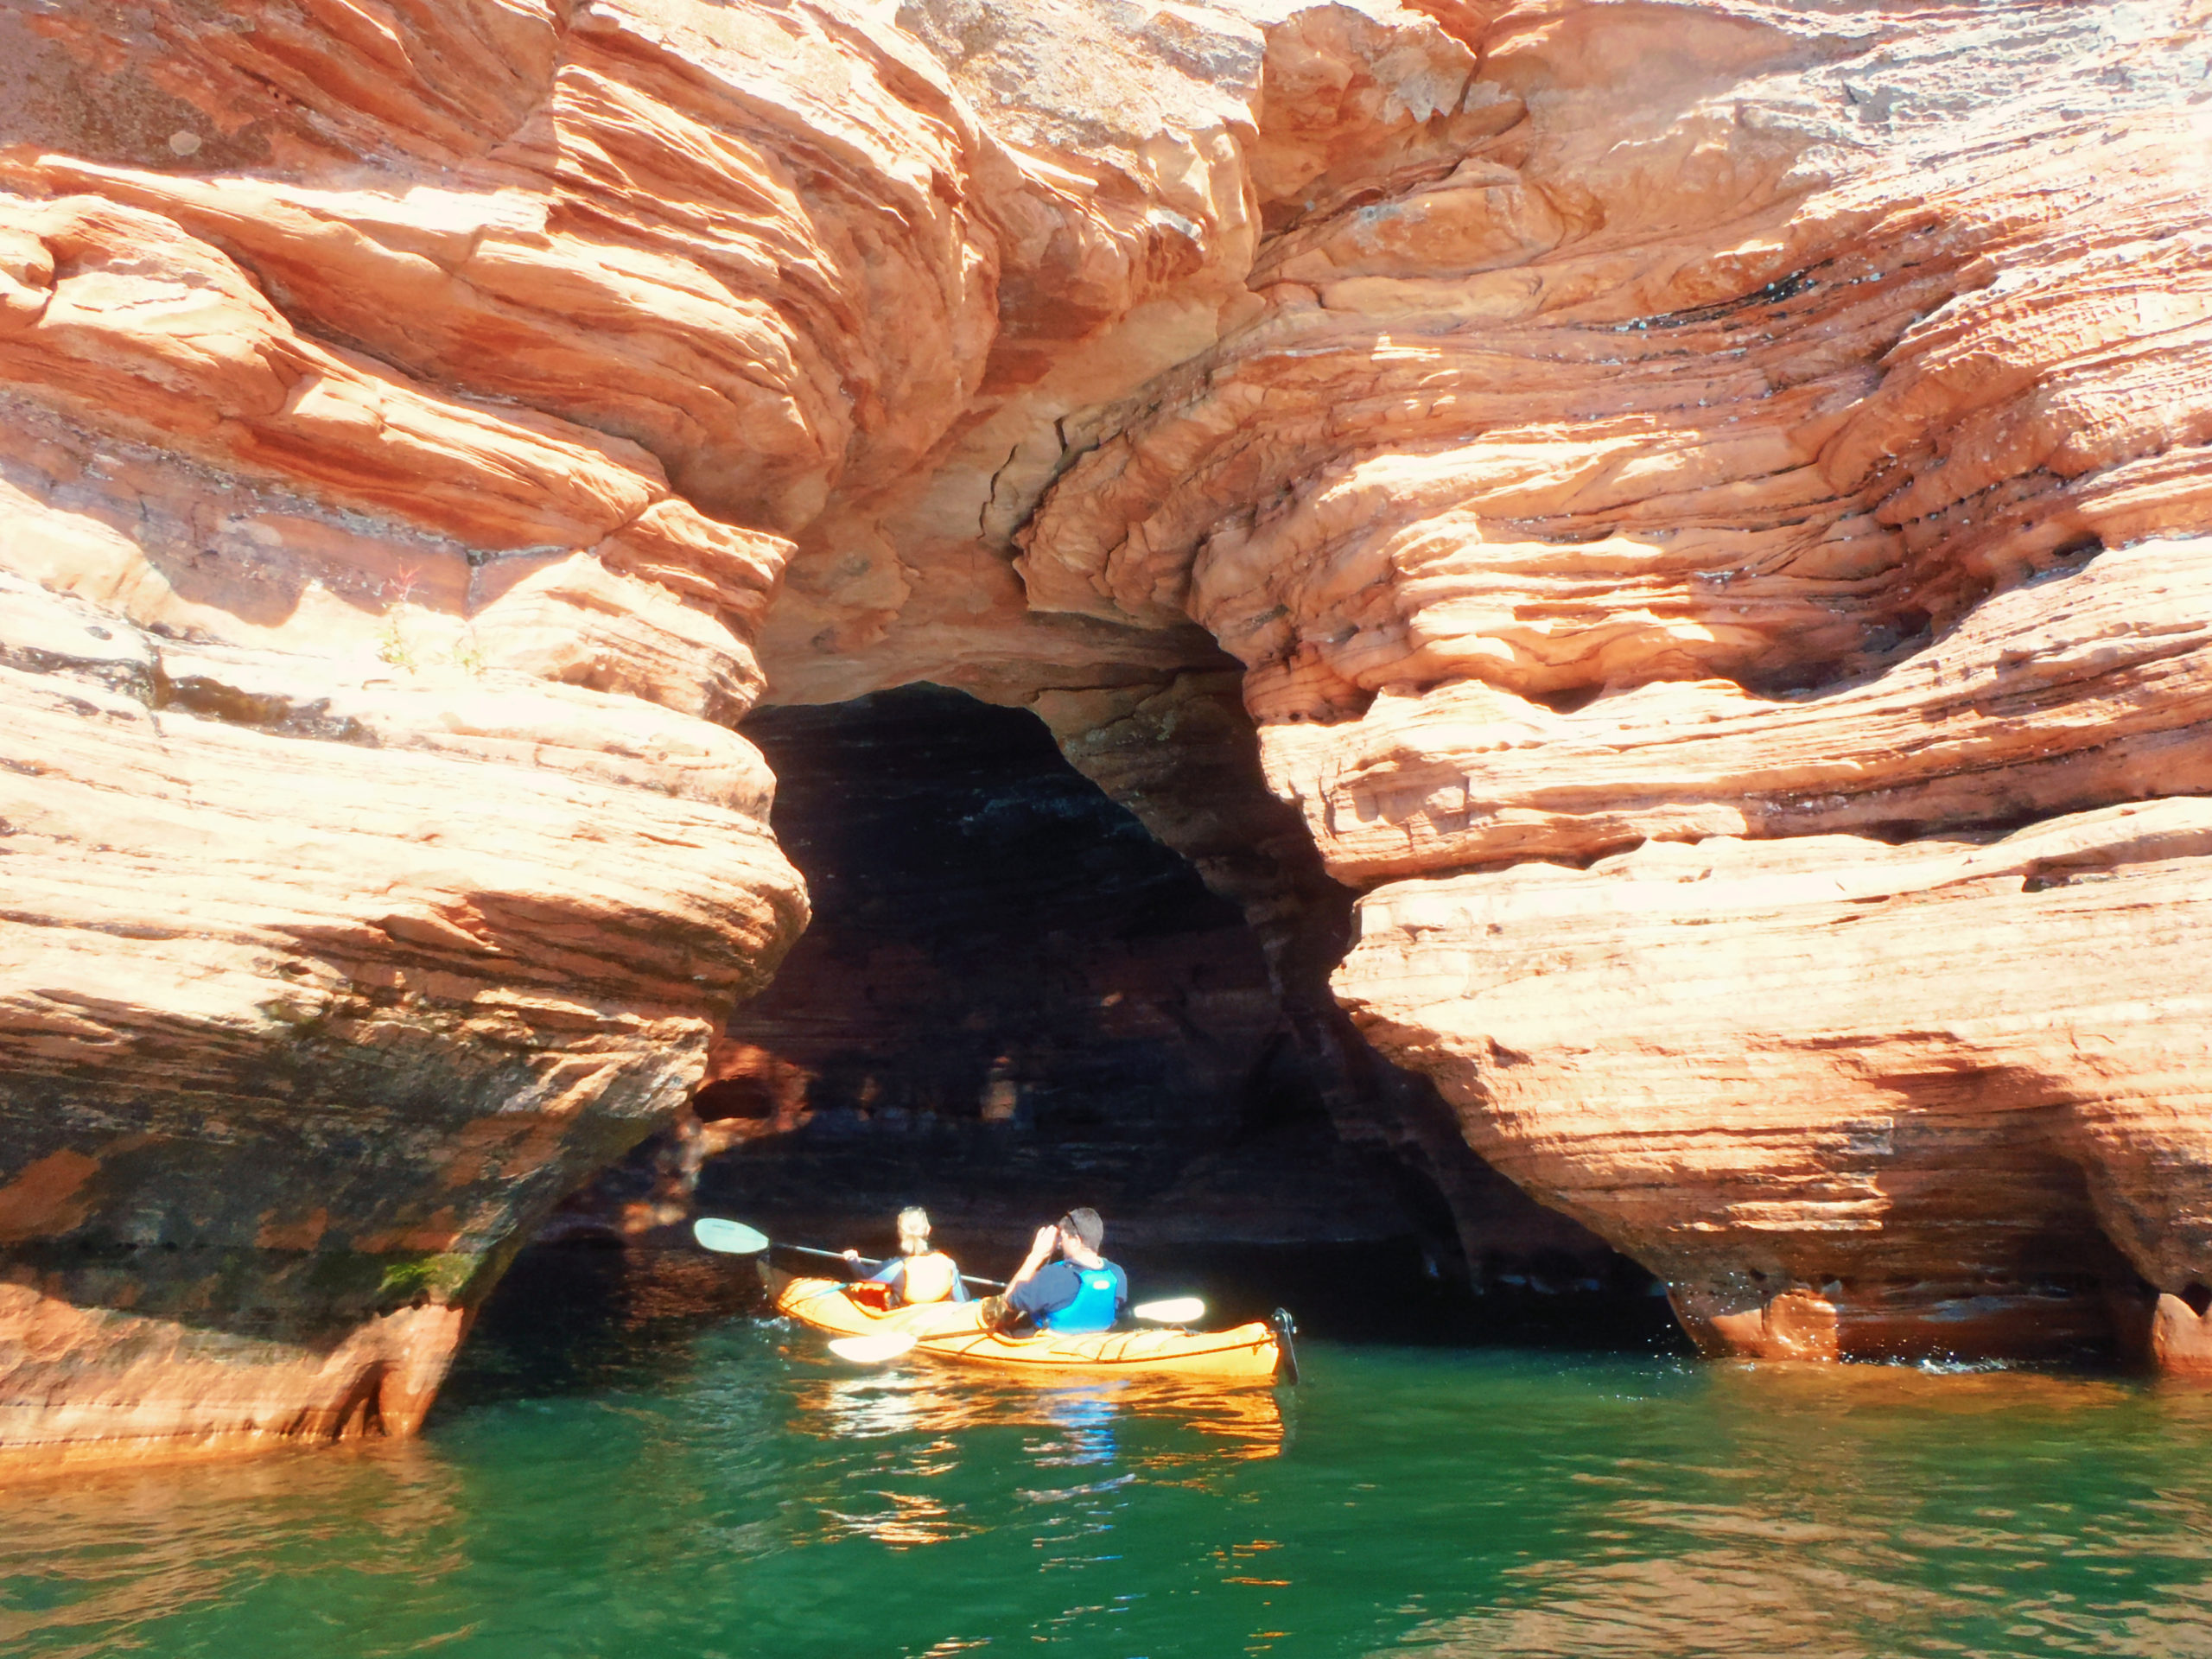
{"points": [[722, 1488]]}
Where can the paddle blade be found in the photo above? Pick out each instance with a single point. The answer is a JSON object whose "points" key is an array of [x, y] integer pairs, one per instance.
{"points": [[872, 1349], [730, 1238], [1176, 1310]]}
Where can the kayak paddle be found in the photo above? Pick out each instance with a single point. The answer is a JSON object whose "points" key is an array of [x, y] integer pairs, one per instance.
{"points": [[735, 1238], [873, 1350], [730, 1238], [1176, 1310]]}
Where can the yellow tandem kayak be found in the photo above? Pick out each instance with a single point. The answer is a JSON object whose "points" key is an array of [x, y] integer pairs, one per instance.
{"points": [[954, 1330]]}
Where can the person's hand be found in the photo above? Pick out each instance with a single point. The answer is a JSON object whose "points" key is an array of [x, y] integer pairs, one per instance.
{"points": [[852, 1255], [1047, 1240]]}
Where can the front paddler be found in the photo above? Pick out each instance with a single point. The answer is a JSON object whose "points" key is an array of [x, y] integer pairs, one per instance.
{"points": [[918, 1273], [1081, 1292]]}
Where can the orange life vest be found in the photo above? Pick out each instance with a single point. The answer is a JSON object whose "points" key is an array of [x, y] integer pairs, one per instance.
{"points": [[929, 1277]]}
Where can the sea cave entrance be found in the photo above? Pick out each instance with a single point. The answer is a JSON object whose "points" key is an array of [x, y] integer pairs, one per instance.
{"points": [[1012, 999]]}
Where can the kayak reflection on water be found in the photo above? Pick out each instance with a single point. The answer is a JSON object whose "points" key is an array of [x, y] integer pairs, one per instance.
{"points": [[932, 1444], [1245, 1422]]}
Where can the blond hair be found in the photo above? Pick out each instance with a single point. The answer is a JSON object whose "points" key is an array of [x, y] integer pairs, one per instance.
{"points": [[929, 1277]]}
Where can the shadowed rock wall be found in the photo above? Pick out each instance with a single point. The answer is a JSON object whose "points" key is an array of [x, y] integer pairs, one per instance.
{"points": [[1013, 1000]]}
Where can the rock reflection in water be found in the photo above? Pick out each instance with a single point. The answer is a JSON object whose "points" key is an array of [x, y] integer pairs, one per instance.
{"points": [[1808, 1520], [115, 1547]]}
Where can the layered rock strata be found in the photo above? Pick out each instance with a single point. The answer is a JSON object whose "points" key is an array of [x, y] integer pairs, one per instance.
{"points": [[410, 414], [379, 859], [1711, 563], [1766, 435]]}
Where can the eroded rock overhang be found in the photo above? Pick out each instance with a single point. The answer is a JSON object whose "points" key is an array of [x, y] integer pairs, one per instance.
{"points": [[1611, 442], [1720, 566]]}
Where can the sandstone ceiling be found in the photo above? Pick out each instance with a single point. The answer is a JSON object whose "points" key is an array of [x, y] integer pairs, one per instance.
{"points": [[1704, 506]]}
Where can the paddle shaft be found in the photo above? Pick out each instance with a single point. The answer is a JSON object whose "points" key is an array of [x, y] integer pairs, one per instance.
{"points": [[1177, 1316], [735, 1238], [877, 1261]]}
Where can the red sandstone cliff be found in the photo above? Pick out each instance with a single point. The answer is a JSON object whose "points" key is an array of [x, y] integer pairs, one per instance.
{"points": [[1707, 500], [1719, 567]]}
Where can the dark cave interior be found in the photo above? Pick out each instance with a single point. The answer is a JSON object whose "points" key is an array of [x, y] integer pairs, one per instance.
{"points": [[1012, 998]]}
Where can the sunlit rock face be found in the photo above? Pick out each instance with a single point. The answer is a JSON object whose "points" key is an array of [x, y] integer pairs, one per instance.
{"points": [[1720, 564], [412, 416], [1612, 442], [379, 858]]}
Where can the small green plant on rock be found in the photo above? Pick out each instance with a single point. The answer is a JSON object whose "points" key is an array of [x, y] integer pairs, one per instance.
{"points": [[469, 655], [410, 1275], [393, 643]]}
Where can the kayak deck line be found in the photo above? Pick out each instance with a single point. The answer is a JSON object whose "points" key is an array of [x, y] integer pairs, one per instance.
{"points": [[953, 1331]]}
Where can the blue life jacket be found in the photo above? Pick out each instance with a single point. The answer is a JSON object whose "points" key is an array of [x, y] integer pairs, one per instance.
{"points": [[1095, 1307]]}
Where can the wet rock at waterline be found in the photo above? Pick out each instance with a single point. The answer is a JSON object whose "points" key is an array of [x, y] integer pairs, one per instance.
{"points": [[1650, 470]]}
